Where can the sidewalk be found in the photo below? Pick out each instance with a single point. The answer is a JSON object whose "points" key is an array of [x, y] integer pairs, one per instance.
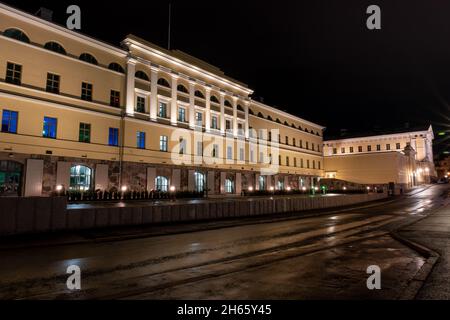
{"points": [[433, 232]]}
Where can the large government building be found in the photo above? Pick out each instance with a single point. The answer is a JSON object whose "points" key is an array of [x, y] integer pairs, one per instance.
{"points": [[82, 114]]}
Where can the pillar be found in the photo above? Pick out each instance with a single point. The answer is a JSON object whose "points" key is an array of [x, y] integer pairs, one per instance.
{"points": [[223, 176], [247, 134], [33, 177], [131, 71], [191, 104], [173, 102], [211, 182], [235, 124], [151, 176], [154, 94], [238, 183], [191, 180], [222, 113], [63, 174], [101, 177], [257, 175], [208, 110]]}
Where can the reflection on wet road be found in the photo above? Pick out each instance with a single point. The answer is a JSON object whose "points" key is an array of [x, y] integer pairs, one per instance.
{"points": [[322, 256]]}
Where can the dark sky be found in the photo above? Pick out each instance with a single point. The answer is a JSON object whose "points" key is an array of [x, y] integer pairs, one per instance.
{"points": [[315, 59]]}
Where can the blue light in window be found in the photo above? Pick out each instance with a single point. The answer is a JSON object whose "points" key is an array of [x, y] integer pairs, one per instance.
{"points": [[9, 121], [113, 137], [49, 127], [140, 140]]}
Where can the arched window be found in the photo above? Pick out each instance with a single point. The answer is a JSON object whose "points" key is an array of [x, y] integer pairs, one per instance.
{"points": [[80, 178], [260, 115], [228, 104], [239, 107], [161, 184], [250, 111], [269, 118], [286, 123], [10, 178], [229, 186], [116, 67], [86, 57], [163, 82], [182, 88], [306, 130], [16, 34], [142, 75], [199, 94], [199, 181], [278, 120], [262, 182], [214, 99], [293, 126], [55, 47]]}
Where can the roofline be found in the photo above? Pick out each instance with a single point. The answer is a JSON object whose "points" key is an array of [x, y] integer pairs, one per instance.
{"points": [[288, 115], [429, 130], [144, 45], [21, 15]]}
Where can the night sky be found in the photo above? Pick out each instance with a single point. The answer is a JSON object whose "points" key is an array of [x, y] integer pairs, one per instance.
{"points": [[315, 59]]}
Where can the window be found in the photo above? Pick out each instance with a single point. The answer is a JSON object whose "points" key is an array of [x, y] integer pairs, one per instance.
{"points": [[280, 185], [161, 184], [140, 138], [378, 147], [342, 150], [230, 153], [214, 122], [307, 164], [16, 34], [301, 144], [228, 125], [199, 119], [113, 137], [55, 47], [52, 83], [369, 148], [163, 82], [50, 125], [261, 157], [142, 76], [182, 146], [229, 186], [182, 88], [199, 148], [318, 165], [199, 94], [287, 140], [114, 100], [262, 182], [240, 129], [116, 67], [270, 135], [241, 154], [163, 143], [287, 161], [9, 121], [84, 133], [314, 164], [360, 149], [214, 99], [307, 145], [293, 142], [228, 104], [162, 111], [140, 104], [86, 91], [10, 178], [301, 163], [215, 151], [388, 147], [334, 150], [295, 162], [13, 73], [313, 147], [80, 178], [252, 156], [351, 149], [86, 57], [398, 146], [181, 115], [199, 181]]}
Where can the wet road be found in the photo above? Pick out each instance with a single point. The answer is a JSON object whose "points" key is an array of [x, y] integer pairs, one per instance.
{"points": [[315, 257]]}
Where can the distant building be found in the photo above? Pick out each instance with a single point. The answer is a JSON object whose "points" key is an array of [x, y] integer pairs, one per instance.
{"points": [[443, 168], [404, 158]]}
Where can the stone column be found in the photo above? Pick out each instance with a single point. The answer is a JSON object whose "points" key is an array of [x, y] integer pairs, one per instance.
{"points": [[238, 183], [257, 181], [247, 134], [34, 173], [173, 103], [286, 182], [191, 180], [154, 93], [235, 124], [223, 176], [222, 113], [191, 104], [176, 179], [131, 71], [151, 176], [208, 110], [211, 182]]}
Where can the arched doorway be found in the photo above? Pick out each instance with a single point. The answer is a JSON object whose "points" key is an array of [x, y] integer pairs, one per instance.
{"points": [[199, 181], [10, 178], [161, 184], [229, 186], [80, 178]]}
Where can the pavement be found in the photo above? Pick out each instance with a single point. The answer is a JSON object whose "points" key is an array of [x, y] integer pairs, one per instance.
{"points": [[320, 256]]}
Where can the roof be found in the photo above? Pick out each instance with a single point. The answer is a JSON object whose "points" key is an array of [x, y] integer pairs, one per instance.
{"points": [[378, 132]]}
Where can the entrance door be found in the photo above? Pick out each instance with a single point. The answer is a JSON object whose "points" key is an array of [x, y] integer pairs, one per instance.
{"points": [[10, 178]]}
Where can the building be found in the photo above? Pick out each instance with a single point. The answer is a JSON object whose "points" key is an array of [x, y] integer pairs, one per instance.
{"points": [[404, 158], [443, 168], [84, 115]]}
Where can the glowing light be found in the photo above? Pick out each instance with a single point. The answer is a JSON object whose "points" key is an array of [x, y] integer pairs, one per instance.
{"points": [[368, 188], [272, 188], [59, 188], [288, 188], [124, 188], [304, 188], [172, 189], [316, 188], [344, 188], [250, 189]]}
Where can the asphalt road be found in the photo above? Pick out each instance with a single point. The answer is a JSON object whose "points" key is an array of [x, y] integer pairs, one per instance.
{"points": [[322, 256]]}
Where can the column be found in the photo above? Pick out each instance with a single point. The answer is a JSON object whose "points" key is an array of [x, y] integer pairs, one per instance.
{"points": [[211, 182], [33, 177], [176, 179], [208, 110], [223, 176], [257, 181], [235, 126], [247, 130], [151, 176], [222, 113], [191, 180], [173, 104], [131, 71], [192, 104], [154, 93], [238, 183]]}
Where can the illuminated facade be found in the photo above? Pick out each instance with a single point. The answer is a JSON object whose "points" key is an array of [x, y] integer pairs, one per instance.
{"points": [[404, 158], [82, 114]]}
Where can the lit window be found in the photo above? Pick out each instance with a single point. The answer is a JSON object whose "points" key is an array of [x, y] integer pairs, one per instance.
{"points": [[229, 187], [199, 119], [163, 143], [80, 178], [162, 111], [85, 133], [86, 91], [13, 73], [50, 125], [262, 183], [52, 83], [113, 137], [214, 122], [162, 184], [140, 138], [9, 121], [199, 181], [181, 115], [388, 147]]}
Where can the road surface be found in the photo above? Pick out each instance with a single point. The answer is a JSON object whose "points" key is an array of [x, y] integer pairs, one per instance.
{"points": [[322, 256]]}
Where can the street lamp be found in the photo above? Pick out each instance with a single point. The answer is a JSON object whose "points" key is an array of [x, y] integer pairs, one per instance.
{"points": [[250, 189], [288, 189]]}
